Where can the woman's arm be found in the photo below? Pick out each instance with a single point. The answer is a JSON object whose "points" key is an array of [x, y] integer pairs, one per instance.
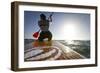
{"points": [[50, 17]]}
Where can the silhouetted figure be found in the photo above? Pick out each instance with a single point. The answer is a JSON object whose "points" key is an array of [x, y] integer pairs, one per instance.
{"points": [[44, 27]]}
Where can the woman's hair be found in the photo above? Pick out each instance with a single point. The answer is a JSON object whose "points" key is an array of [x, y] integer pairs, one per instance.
{"points": [[42, 16]]}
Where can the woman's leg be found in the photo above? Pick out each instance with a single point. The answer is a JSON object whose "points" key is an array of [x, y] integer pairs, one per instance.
{"points": [[49, 36], [41, 37], [46, 34]]}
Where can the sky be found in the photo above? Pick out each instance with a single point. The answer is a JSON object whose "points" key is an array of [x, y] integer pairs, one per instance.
{"points": [[64, 26]]}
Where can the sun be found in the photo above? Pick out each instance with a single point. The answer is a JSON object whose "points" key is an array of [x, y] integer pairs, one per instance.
{"points": [[69, 31]]}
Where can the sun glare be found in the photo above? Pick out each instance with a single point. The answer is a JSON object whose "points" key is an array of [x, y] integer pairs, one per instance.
{"points": [[69, 31]]}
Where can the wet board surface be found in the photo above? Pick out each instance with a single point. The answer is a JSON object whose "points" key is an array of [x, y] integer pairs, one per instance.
{"points": [[55, 52]]}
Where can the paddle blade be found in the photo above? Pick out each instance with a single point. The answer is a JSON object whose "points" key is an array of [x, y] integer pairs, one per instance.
{"points": [[36, 34]]}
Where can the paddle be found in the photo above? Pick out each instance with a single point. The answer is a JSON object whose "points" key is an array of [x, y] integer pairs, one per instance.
{"points": [[36, 34]]}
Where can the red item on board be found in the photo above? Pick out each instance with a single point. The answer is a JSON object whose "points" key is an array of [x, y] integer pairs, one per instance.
{"points": [[36, 34]]}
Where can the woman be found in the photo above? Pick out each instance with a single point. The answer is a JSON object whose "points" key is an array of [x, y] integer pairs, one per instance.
{"points": [[43, 23]]}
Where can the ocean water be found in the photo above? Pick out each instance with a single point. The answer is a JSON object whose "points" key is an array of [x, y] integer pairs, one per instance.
{"points": [[80, 46]]}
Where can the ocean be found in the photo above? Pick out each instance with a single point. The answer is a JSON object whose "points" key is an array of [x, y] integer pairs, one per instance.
{"points": [[80, 46]]}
